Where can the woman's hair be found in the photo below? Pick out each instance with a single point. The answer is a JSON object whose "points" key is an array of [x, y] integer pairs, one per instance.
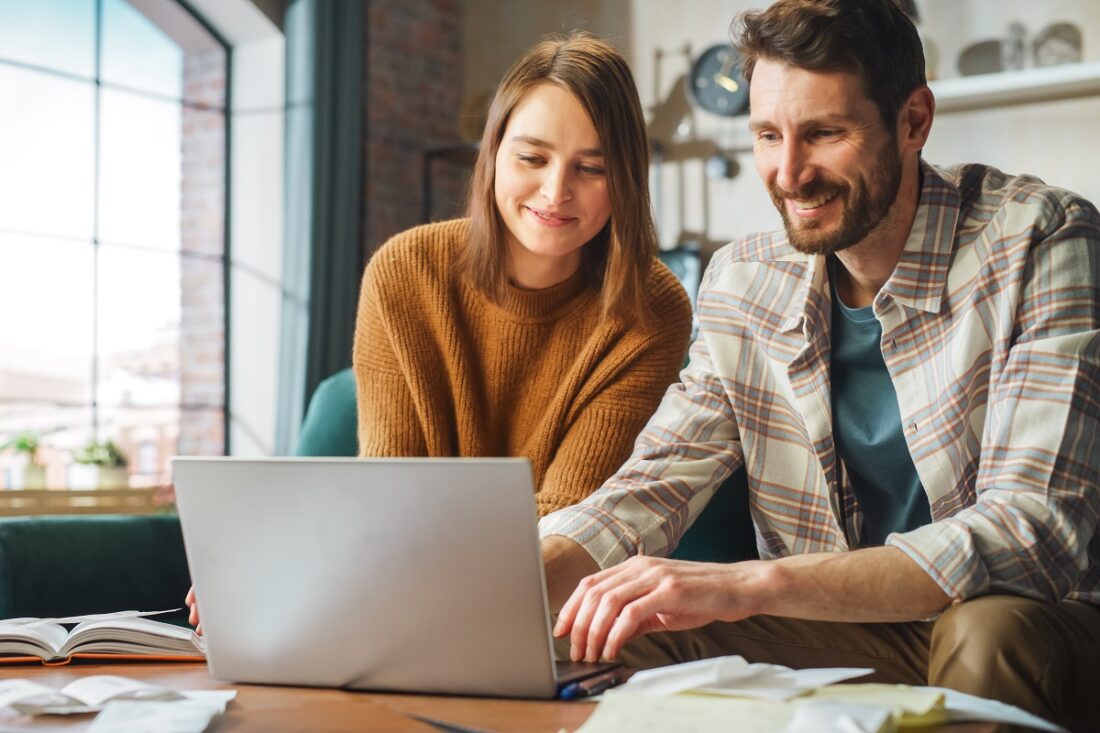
{"points": [[875, 39], [617, 260]]}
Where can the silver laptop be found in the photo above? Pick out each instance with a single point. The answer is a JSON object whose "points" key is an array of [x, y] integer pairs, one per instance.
{"points": [[382, 574]]}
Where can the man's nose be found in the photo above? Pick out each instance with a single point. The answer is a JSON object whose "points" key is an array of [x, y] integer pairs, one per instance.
{"points": [[795, 168]]}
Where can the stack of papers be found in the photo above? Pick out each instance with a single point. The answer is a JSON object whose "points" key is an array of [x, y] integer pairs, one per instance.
{"points": [[726, 693]]}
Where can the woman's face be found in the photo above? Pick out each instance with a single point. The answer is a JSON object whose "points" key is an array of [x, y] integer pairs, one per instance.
{"points": [[550, 186]]}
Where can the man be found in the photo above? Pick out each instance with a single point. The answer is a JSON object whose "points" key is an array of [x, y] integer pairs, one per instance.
{"points": [[910, 376]]}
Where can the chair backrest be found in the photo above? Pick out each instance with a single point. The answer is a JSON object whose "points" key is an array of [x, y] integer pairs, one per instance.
{"points": [[329, 429]]}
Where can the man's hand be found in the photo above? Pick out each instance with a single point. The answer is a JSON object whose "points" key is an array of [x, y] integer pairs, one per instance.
{"points": [[647, 594], [193, 616], [644, 594]]}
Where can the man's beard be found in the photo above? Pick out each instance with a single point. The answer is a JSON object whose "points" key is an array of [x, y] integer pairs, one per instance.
{"points": [[865, 206]]}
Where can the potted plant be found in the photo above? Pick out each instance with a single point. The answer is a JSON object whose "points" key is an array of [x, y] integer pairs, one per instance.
{"points": [[99, 465], [33, 475]]}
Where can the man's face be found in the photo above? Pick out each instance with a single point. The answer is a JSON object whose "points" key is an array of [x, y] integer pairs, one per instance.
{"points": [[829, 163]]}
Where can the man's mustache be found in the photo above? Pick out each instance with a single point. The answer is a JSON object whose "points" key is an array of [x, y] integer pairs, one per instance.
{"points": [[813, 190]]}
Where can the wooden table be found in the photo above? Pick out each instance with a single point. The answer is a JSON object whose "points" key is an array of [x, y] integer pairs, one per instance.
{"points": [[269, 709]]}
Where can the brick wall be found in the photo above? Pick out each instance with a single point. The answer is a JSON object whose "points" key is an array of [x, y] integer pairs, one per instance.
{"points": [[412, 97], [202, 231]]}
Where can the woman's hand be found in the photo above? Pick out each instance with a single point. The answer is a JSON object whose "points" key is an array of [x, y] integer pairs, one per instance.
{"points": [[193, 616]]}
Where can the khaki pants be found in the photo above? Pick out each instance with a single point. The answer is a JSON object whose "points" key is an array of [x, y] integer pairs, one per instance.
{"points": [[1044, 658]]}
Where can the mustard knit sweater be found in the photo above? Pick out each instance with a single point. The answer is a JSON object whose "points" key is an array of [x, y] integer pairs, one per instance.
{"points": [[443, 371]]}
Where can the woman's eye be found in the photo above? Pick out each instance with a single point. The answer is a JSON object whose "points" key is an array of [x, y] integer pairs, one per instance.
{"points": [[592, 170], [529, 159]]}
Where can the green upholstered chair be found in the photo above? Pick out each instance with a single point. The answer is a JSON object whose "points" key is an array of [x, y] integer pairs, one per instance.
{"points": [[330, 425], [68, 565], [723, 532]]}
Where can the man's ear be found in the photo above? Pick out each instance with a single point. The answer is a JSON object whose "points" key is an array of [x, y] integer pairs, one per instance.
{"points": [[915, 118]]}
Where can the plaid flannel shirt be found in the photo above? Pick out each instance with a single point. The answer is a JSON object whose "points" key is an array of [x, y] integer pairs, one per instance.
{"points": [[991, 334]]}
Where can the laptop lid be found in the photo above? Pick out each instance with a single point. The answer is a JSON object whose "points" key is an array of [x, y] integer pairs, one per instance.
{"points": [[385, 574]]}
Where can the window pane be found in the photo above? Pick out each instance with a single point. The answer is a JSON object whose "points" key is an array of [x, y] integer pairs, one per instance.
{"points": [[56, 34], [147, 437], [46, 145], [136, 53], [139, 195], [62, 429], [46, 342], [139, 321]]}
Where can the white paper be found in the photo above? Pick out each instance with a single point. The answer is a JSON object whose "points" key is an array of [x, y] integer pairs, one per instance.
{"points": [[961, 706], [622, 711], [12, 691], [98, 689], [732, 675], [86, 617], [831, 716], [220, 698], [177, 716], [90, 694]]}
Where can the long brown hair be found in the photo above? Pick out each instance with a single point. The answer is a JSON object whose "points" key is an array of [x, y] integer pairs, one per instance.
{"points": [[876, 39], [617, 260]]}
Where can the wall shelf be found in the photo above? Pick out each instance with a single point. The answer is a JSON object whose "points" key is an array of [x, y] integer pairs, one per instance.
{"points": [[1048, 84]]}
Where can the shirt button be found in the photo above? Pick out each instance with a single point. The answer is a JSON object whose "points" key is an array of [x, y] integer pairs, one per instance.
{"points": [[912, 427]]}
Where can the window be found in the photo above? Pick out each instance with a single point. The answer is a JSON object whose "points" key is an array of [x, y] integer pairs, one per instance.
{"points": [[112, 236]]}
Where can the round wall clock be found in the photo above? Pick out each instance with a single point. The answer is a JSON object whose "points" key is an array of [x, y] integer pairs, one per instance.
{"points": [[715, 82]]}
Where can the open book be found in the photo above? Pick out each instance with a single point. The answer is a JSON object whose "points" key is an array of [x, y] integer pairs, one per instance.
{"points": [[124, 635]]}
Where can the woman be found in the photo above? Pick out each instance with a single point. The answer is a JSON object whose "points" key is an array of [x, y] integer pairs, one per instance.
{"points": [[542, 325]]}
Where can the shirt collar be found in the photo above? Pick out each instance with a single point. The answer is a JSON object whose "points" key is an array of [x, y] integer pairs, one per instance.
{"points": [[920, 278]]}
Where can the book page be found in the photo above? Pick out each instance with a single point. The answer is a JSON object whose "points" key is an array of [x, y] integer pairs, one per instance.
{"points": [[132, 636], [41, 640]]}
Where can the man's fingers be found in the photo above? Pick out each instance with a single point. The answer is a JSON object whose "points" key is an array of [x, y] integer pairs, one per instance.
{"points": [[190, 599], [612, 602], [587, 596], [568, 612], [635, 619]]}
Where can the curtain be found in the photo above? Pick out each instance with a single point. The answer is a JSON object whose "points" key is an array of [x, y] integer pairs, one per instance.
{"points": [[322, 258]]}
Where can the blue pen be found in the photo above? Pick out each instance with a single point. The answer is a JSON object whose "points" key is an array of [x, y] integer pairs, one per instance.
{"points": [[592, 686]]}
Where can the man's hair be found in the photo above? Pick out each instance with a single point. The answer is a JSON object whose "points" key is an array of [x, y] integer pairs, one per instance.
{"points": [[617, 260], [875, 39]]}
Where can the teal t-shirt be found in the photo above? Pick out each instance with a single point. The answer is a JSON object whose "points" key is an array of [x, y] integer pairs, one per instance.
{"points": [[867, 428]]}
